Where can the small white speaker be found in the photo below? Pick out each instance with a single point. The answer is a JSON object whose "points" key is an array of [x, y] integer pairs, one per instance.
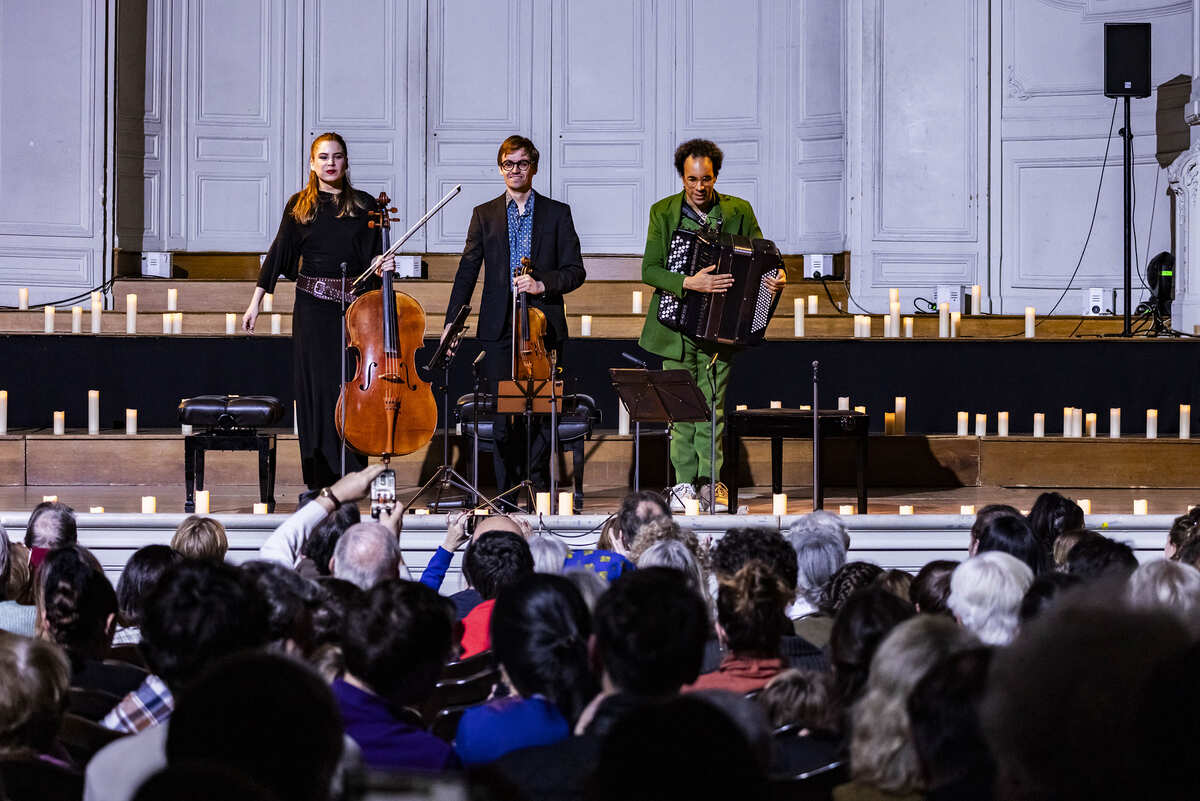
{"points": [[1093, 302], [948, 293], [817, 265], [156, 264]]}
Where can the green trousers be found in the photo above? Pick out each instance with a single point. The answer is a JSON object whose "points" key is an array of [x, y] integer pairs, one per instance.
{"points": [[690, 441]]}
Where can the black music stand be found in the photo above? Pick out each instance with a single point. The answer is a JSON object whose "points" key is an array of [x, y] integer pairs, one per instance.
{"points": [[528, 397], [657, 396]]}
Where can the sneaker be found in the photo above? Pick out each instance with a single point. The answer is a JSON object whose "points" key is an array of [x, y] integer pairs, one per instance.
{"points": [[719, 503], [678, 493]]}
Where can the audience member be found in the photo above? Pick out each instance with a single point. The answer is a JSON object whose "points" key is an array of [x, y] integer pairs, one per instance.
{"points": [[589, 583], [1189, 552], [549, 553], [200, 782], [338, 597], [666, 529], [864, 620], [748, 717], [1051, 515], [201, 538], [986, 593], [33, 697], [943, 711], [1168, 586], [395, 646], [146, 566], [366, 554], [619, 552], [883, 756], [1065, 542], [984, 518], [465, 528], [931, 587], [897, 582], [1183, 528], [1045, 591], [51, 525], [801, 707], [540, 629], [1167, 727], [1100, 557], [20, 578], [266, 717], [495, 560], [849, 578], [676, 555], [15, 616], [1013, 536], [317, 550], [292, 600], [820, 542]]}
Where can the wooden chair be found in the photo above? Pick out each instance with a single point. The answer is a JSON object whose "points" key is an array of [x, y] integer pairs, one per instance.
{"points": [[82, 738], [129, 654], [90, 704], [463, 692], [816, 785], [445, 722], [471, 666]]}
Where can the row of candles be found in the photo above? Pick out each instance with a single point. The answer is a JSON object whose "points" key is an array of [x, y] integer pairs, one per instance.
{"points": [[1076, 423], [58, 419], [779, 506], [172, 319]]}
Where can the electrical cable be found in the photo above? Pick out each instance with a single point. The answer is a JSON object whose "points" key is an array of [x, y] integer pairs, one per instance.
{"points": [[104, 287]]}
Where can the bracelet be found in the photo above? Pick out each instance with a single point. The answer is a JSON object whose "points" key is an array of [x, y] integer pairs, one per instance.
{"points": [[328, 493]]}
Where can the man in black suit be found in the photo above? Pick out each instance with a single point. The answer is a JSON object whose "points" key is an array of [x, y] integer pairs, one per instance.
{"points": [[519, 223]]}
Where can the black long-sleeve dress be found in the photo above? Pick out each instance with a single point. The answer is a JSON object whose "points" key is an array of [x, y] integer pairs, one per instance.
{"points": [[317, 250]]}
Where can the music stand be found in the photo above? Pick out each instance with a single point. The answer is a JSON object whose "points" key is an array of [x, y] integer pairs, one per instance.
{"points": [[657, 396], [530, 396]]}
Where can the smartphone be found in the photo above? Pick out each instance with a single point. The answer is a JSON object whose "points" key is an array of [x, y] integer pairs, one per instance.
{"points": [[383, 493]]}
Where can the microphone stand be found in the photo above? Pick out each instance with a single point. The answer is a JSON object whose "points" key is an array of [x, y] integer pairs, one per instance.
{"points": [[342, 326], [817, 493], [475, 420], [712, 436]]}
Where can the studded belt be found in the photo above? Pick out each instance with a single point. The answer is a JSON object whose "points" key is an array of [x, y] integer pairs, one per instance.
{"points": [[324, 288]]}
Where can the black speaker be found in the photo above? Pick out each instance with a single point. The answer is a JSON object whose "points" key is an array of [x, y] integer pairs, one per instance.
{"points": [[1127, 59]]}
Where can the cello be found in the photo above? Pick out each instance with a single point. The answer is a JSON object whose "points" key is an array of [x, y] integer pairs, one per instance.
{"points": [[530, 360], [385, 409]]}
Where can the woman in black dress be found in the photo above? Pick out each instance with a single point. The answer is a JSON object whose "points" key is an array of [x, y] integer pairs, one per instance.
{"points": [[324, 225]]}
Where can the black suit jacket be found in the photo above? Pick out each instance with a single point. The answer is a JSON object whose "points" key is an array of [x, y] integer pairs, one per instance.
{"points": [[557, 263]]}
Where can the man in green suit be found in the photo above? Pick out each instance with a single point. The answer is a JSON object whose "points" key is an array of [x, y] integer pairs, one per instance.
{"points": [[698, 162]]}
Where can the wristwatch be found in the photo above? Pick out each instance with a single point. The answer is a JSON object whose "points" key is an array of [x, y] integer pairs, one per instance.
{"points": [[327, 493]]}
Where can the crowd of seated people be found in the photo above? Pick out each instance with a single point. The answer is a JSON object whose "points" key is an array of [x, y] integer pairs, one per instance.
{"points": [[1048, 664]]}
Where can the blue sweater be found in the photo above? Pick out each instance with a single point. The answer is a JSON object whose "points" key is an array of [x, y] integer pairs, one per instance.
{"points": [[488, 732]]}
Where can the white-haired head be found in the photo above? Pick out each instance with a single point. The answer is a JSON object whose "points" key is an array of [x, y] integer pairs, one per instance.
{"points": [[986, 593]]}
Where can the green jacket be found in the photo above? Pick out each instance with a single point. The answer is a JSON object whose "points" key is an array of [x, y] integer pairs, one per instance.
{"points": [[737, 218]]}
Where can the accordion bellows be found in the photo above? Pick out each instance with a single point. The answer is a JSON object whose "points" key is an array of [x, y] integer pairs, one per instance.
{"points": [[738, 316]]}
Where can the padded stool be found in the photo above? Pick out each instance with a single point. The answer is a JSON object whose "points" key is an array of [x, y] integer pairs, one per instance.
{"points": [[231, 423], [574, 429]]}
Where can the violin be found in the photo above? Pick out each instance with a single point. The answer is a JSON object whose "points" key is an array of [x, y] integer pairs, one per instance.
{"points": [[529, 331], [385, 409]]}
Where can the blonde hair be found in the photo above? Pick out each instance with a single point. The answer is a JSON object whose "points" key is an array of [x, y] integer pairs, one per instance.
{"points": [[1173, 587], [304, 211], [1063, 544], [662, 529], [608, 534], [201, 538]]}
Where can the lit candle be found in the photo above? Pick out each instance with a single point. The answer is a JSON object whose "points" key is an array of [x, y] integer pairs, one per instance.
{"points": [[230, 323], [976, 293], [955, 319], [906, 510], [93, 411], [889, 423], [295, 421], [812, 304], [131, 313], [637, 301], [268, 303], [172, 299], [3, 412], [1151, 423], [276, 324], [1140, 506], [260, 508], [798, 317], [421, 511], [966, 509], [908, 328], [48, 319], [1185, 421], [1002, 424], [943, 320], [149, 504], [1091, 424], [167, 322], [741, 407], [177, 323], [901, 415], [1039, 424], [846, 509], [622, 418], [1085, 504], [1030, 314], [894, 321], [96, 510], [844, 403], [1077, 422], [185, 429], [859, 409], [893, 295], [131, 421], [49, 499], [60, 423], [981, 425], [97, 309], [566, 503], [776, 404], [23, 298], [691, 507], [585, 325], [543, 503], [202, 502], [1068, 428], [866, 325], [779, 503], [1114, 423], [962, 424], [806, 408], [76, 319]]}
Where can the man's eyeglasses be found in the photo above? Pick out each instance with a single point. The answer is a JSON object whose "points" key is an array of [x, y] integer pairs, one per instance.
{"points": [[522, 165]]}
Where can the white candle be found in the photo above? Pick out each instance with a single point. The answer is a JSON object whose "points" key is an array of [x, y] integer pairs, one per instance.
{"points": [[1068, 427], [172, 299], [893, 295], [260, 508], [295, 421], [543, 503], [97, 309], [276, 324], [1114, 423], [1085, 504], [889, 423], [812, 304], [96, 510], [741, 407], [48, 319], [846, 509], [566, 503], [76, 319], [955, 318], [1002, 424], [421, 511], [1140, 506], [93, 411], [185, 429], [60, 423], [798, 317], [981, 425], [1030, 323], [230, 323], [149, 504], [1077, 422], [202, 502], [804, 407], [49, 499], [268, 303], [1091, 424], [1185, 421], [177, 323], [637, 301], [167, 322], [894, 319], [1151, 423], [3, 412], [779, 503], [901, 408], [976, 294], [844, 403], [131, 313], [585, 325], [776, 404], [859, 409], [23, 298], [966, 509], [906, 510], [866, 325], [622, 418], [1039, 424], [962, 424], [691, 507], [131, 421], [908, 328], [943, 320]]}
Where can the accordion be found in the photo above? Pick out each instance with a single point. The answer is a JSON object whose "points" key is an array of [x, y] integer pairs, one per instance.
{"points": [[739, 316]]}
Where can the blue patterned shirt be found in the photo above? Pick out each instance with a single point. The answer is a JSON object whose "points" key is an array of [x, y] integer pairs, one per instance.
{"points": [[520, 234], [608, 564]]}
